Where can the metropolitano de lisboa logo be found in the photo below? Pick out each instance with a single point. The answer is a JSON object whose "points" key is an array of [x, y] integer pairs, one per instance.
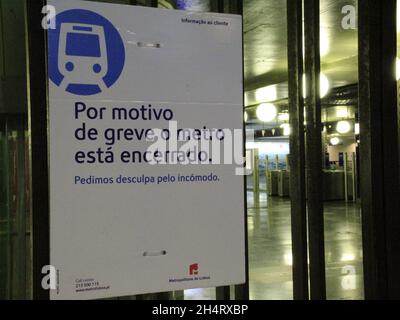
{"points": [[86, 52]]}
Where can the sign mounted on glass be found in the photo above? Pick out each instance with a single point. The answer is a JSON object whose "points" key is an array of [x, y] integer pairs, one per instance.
{"points": [[146, 152]]}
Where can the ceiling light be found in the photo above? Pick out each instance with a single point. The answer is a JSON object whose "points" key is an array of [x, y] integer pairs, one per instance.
{"points": [[357, 128], [246, 116], [266, 94], [324, 85], [334, 141], [266, 112], [347, 257], [286, 129], [341, 112], [324, 43], [343, 127], [397, 69]]}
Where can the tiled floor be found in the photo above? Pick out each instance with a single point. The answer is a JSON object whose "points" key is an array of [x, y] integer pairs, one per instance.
{"points": [[270, 255]]}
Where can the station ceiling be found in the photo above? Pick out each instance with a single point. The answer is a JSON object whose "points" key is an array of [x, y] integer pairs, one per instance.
{"points": [[265, 44]]}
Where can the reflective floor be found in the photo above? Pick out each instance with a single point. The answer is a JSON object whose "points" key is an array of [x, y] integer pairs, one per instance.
{"points": [[270, 255]]}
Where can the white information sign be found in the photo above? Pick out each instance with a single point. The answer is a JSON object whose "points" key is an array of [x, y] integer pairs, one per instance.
{"points": [[137, 204]]}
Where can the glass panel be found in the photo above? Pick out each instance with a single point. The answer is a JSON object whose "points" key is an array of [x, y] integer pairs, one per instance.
{"points": [[339, 93], [267, 113], [15, 240], [269, 223], [15, 215]]}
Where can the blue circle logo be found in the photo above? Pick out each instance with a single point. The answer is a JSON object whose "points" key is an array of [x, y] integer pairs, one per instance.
{"points": [[86, 52]]}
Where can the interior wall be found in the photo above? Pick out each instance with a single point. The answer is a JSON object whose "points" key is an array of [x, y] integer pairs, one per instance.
{"points": [[347, 146]]}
